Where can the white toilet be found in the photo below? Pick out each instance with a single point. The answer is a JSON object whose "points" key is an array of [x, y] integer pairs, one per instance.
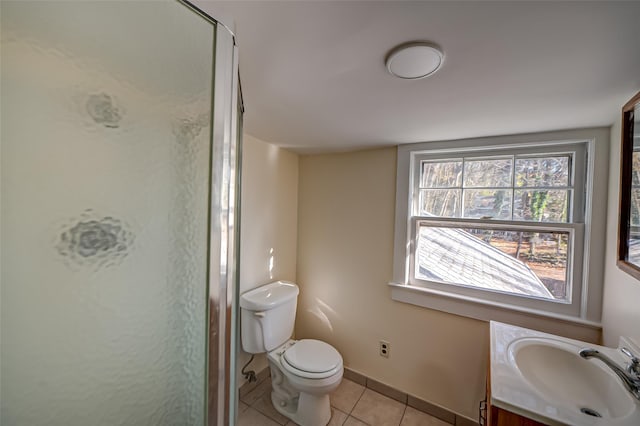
{"points": [[303, 372]]}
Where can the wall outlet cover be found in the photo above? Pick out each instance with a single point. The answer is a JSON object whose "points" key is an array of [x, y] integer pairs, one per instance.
{"points": [[385, 348]]}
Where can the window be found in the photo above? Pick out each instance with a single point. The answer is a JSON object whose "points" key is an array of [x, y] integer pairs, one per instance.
{"points": [[527, 257], [497, 224]]}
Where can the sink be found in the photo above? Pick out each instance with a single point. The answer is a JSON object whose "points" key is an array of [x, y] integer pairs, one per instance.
{"points": [[542, 376], [556, 372]]}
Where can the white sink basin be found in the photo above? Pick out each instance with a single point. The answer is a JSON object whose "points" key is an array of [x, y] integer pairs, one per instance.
{"points": [[542, 376], [555, 370]]}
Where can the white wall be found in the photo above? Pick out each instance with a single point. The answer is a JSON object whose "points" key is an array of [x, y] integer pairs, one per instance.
{"points": [[621, 305], [268, 221]]}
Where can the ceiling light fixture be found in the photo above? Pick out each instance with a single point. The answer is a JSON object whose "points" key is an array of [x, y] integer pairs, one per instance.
{"points": [[414, 60]]}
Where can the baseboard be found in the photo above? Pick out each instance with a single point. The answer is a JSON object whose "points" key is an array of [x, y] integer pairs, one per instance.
{"points": [[384, 389], [412, 401]]}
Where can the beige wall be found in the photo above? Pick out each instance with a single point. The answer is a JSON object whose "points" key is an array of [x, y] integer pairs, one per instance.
{"points": [[345, 251], [344, 221], [345, 260], [621, 304], [269, 220]]}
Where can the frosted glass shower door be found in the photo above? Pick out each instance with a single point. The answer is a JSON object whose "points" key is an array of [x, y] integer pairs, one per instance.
{"points": [[105, 131]]}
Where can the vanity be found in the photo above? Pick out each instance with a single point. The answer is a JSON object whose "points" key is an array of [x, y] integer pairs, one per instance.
{"points": [[537, 378]]}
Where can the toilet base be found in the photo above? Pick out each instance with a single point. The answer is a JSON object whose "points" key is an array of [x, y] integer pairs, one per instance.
{"points": [[311, 410], [301, 399]]}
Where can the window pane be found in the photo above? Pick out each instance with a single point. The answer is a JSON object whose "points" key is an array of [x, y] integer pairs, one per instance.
{"points": [[634, 229], [635, 169], [547, 171], [487, 203], [635, 207], [532, 264], [440, 202], [488, 173], [446, 174], [634, 247], [541, 206]]}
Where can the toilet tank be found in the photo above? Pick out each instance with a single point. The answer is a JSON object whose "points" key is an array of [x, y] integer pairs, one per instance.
{"points": [[267, 315]]}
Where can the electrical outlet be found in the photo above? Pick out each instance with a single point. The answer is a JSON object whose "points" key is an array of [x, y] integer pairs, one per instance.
{"points": [[385, 348]]}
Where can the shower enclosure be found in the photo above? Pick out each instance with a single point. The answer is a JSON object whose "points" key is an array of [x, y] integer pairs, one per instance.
{"points": [[120, 126]]}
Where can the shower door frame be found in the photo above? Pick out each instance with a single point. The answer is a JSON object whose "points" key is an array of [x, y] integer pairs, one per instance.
{"points": [[223, 239], [224, 232]]}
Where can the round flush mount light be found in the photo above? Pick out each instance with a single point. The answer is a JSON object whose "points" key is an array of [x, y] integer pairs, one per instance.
{"points": [[414, 60]]}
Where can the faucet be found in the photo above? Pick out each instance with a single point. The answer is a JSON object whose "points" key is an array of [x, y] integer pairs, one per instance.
{"points": [[630, 377]]}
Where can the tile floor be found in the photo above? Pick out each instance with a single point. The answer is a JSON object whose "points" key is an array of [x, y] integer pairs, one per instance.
{"points": [[351, 405]]}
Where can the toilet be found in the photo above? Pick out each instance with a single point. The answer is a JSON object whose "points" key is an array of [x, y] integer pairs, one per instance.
{"points": [[303, 372]]}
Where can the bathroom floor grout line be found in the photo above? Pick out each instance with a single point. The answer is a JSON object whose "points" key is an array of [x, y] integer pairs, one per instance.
{"points": [[359, 398], [268, 390], [404, 412], [349, 414], [354, 407]]}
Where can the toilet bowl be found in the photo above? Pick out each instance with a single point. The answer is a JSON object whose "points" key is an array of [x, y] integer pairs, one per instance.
{"points": [[303, 372]]}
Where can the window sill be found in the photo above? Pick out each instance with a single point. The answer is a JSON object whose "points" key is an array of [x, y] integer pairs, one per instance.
{"points": [[487, 311]]}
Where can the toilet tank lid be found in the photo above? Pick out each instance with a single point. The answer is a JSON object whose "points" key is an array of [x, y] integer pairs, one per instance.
{"points": [[269, 296]]}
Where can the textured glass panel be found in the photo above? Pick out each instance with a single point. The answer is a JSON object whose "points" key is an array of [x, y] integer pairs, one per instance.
{"points": [[440, 202], [488, 173], [545, 171], [441, 174], [487, 203], [105, 154], [541, 205], [529, 264]]}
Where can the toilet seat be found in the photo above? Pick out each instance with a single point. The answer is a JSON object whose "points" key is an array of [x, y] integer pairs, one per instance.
{"points": [[312, 359]]}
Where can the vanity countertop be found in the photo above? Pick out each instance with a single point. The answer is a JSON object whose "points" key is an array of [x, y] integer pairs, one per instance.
{"points": [[542, 377]]}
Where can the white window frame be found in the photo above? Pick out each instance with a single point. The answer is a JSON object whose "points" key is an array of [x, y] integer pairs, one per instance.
{"points": [[584, 269]]}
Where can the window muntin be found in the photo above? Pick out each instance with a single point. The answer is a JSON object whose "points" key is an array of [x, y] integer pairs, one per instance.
{"points": [[516, 187]]}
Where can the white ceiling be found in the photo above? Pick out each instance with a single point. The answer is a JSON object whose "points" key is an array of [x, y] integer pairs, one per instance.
{"points": [[314, 79]]}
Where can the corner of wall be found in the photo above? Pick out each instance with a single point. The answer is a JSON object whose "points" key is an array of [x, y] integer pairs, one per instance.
{"points": [[620, 312], [268, 221]]}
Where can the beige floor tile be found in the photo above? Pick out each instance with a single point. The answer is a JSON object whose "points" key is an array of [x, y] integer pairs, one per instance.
{"points": [[265, 406], [378, 410], [352, 421], [242, 406], [251, 417], [413, 417], [248, 387], [346, 396], [337, 417], [256, 393]]}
